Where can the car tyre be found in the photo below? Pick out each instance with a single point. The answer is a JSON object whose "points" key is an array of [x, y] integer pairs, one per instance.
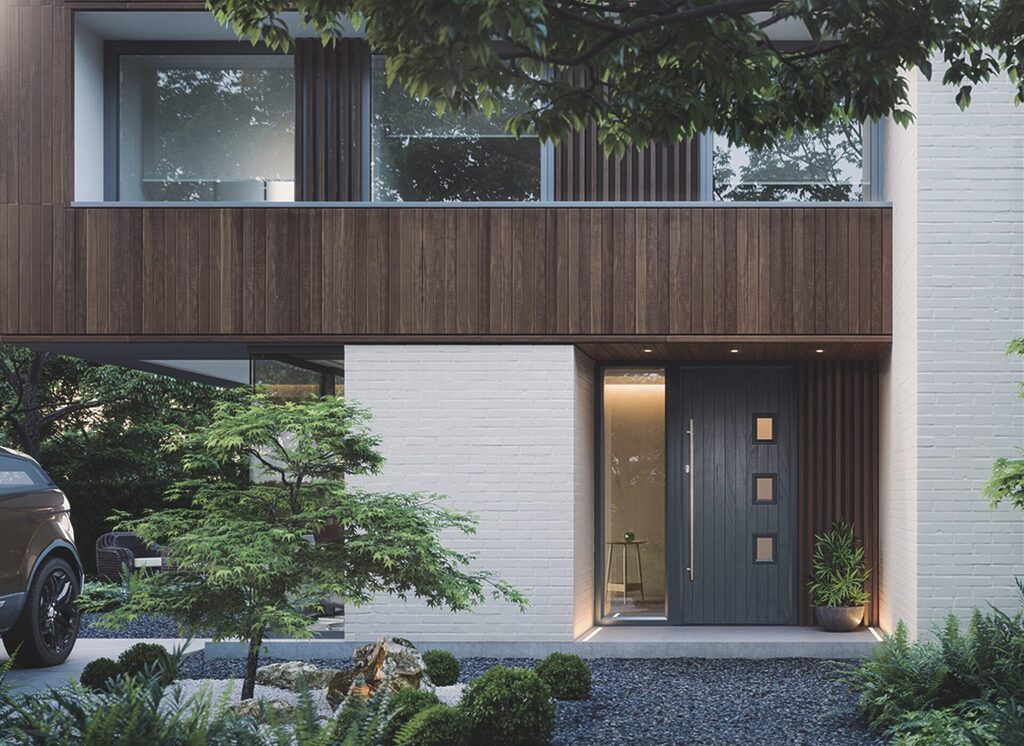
{"points": [[47, 628]]}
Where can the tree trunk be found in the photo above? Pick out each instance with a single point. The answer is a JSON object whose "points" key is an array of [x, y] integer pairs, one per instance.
{"points": [[252, 661]]}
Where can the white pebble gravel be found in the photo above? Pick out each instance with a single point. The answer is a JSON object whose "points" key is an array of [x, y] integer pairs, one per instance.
{"points": [[450, 695], [218, 687]]}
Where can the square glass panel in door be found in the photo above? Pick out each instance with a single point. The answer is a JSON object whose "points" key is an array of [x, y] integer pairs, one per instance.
{"points": [[633, 458]]}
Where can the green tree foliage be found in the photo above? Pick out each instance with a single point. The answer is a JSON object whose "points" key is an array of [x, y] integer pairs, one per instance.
{"points": [[244, 555], [665, 70], [110, 437], [1007, 481]]}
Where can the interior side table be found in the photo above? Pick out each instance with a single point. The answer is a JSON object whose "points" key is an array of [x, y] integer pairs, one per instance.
{"points": [[625, 586]]}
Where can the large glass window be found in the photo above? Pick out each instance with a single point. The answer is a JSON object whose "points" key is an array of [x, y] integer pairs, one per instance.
{"points": [[421, 157], [206, 127], [288, 381], [831, 165], [634, 493]]}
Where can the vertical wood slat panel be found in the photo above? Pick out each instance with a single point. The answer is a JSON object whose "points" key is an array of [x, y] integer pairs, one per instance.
{"points": [[510, 271], [837, 462], [329, 147]]}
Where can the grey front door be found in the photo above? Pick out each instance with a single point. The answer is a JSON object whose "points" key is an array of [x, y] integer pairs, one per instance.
{"points": [[739, 495]]}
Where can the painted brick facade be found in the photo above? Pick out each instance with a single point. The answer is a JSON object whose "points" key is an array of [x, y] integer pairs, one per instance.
{"points": [[970, 303], [898, 389], [949, 406], [495, 427]]}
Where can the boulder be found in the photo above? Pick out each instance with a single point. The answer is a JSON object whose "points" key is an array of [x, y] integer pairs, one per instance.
{"points": [[294, 675], [395, 660], [389, 659], [269, 707]]}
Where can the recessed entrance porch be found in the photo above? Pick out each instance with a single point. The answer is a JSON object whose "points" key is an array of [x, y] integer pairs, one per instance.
{"points": [[714, 478]]}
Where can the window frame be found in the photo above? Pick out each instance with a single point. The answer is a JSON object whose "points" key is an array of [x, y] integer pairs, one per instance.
{"points": [[112, 53]]}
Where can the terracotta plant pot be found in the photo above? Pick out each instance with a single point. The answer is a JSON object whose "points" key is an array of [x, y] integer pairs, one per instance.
{"points": [[839, 618]]}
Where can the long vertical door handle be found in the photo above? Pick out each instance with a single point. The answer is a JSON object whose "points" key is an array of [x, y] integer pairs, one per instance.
{"points": [[692, 468]]}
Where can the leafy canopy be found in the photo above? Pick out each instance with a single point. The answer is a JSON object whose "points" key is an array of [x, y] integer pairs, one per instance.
{"points": [[665, 69], [249, 557]]}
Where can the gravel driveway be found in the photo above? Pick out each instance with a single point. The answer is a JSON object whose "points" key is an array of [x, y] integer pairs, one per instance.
{"points": [[684, 701]]}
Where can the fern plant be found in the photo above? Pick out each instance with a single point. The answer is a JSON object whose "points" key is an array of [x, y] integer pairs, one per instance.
{"points": [[838, 571]]}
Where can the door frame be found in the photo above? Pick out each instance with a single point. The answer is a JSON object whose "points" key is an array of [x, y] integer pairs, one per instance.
{"points": [[675, 516]]}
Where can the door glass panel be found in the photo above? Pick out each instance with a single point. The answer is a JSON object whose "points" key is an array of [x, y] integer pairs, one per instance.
{"points": [[764, 488], [764, 428], [764, 549], [634, 493]]}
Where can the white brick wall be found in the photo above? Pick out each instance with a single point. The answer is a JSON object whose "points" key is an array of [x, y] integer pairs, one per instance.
{"points": [[970, 303], [898, 389], [495, 427], [583, 512]]}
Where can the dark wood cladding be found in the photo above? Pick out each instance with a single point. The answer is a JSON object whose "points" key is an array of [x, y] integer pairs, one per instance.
{"points": [[36, 96], [659, 172], [564, 272], [329, 109], [838, 458]]}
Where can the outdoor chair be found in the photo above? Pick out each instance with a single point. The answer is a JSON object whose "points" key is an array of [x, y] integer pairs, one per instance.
{"points": [[120, 548]]}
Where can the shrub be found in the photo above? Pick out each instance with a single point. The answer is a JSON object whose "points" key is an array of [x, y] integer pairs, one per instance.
{"points": [[566, 675], [403, 706], [97, 673], [947, 727], [439, 725], [146, 656], [442, 667], [509, 707], [977, 675], [838, 570]]}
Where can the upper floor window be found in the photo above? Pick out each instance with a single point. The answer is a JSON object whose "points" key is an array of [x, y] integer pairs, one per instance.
{"points": [[197, 127], [831, 165], [421, 157]]}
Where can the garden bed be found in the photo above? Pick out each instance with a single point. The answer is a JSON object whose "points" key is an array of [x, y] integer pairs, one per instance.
{"points": [[679, 700]]}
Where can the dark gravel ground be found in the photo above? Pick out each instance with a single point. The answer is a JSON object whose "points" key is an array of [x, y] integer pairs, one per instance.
{"points": [[143, 628], [682, 701]]}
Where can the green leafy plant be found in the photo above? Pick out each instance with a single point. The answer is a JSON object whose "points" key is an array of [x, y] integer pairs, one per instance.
{"points": [[1007, 481], [976, 675], [98, 674], [643, 71], [442, 667], [132, 710], [404, 706], [509, 707], [949, 727], [439, 725], [838, 571], [566, 675], [144, 656], [249, 558]]}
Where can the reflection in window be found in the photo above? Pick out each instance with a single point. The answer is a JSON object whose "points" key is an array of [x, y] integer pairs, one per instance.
{"points": [[17, 475], [421, 157], [287, 382], [634, 492], [206, 127], [830, 165]]}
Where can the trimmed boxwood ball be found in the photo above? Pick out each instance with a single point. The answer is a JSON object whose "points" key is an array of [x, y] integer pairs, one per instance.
{"points": [[442, 667], [439, 725], [509, 707], [97, 673], [403, 706], [566, 675], [144, 655]]}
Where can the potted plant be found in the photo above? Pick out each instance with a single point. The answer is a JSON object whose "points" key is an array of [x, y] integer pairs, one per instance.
{"points": [[838, 579]]}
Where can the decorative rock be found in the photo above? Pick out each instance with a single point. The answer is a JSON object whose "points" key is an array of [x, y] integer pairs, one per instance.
{"points": [[390, 658], [251, 707], [394, 659], [294, 675]]}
